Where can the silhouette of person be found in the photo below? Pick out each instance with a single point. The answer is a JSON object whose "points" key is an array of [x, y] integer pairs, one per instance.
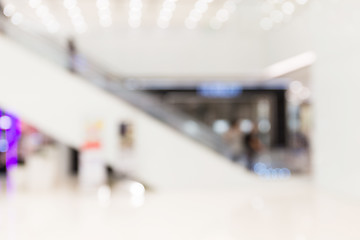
{"points": [[2, 17], [233, 140], [72, 52], [252, 147]]}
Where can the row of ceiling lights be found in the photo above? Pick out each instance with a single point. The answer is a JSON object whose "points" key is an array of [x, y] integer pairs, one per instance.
{"points": [[166, 13], [11, 12], [44, 13], [104, 13], [75, 15], [276, 11], [223, 14], [195, 15], [135, 14]]}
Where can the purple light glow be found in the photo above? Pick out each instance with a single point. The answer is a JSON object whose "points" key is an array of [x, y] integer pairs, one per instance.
{"points": [[12, 136]]}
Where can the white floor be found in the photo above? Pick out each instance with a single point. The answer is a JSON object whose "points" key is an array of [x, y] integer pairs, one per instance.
{"points": [[286, 210]]}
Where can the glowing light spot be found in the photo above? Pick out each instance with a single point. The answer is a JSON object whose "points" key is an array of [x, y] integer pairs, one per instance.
{"points": [[34, 3], [264, 126], [191, 127], [296, 87], [246, 126], [4, 145], [5, 122], [288, 8], [220, 126], [9, 10], [137, 189], [17, 18], [104, 195]]}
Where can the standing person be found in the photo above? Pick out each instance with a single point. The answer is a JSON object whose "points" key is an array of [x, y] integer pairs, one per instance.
{"points": [[233, 139], [3, 150], [1, 10], [2, 164], [3, 171], [2, 17], [72, 52], [252, 147]]}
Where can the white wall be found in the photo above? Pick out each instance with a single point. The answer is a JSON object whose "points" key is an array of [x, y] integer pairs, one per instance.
{"points": [[59, 104], [236, 48], [330, 29], [336, 82], [176, 52]]}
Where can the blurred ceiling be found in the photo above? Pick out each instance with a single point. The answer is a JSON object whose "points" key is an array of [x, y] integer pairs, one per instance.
{"points": [[162, 38], [68, 17]]}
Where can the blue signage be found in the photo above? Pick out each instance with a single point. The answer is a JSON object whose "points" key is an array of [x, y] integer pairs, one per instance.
{"points": [[219, 90]]}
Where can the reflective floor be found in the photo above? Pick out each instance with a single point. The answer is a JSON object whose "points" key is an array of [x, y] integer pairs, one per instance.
{"points": [[282, 210]]}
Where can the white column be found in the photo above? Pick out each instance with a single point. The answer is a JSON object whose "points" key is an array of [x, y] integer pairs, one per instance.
{"points": [[337, 96]]}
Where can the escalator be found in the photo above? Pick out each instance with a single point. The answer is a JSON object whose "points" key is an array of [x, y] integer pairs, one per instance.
{"points": [[37, 87]]}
